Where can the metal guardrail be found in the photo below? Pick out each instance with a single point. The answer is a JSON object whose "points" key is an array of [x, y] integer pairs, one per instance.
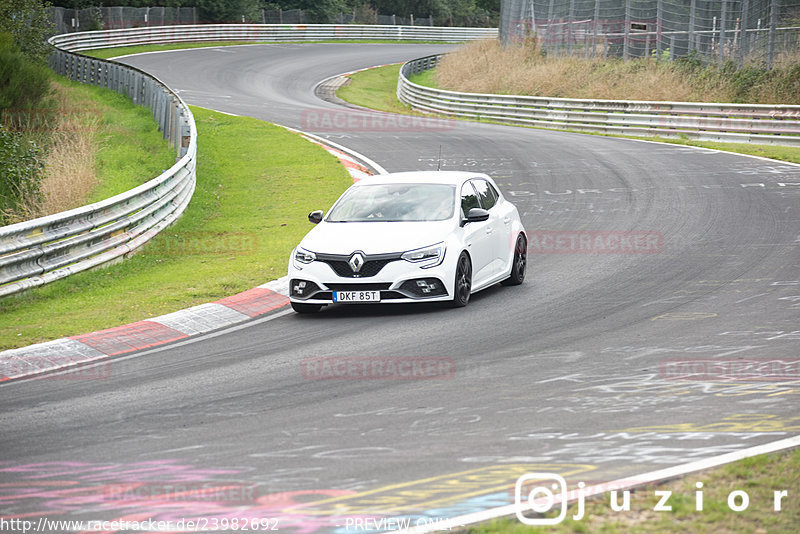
{"points": [[39, 251], [265, 33], [731, 123]]}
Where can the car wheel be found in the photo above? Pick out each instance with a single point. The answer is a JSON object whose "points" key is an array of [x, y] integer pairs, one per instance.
{"points": [[299, 307], [463, 286], [520, 263]]}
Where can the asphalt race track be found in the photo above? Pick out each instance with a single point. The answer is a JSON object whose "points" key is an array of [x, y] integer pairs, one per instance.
{"points": [[574, 372]]}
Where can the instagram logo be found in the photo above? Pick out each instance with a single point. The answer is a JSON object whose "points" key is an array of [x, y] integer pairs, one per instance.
{"points": [[540, 498]]}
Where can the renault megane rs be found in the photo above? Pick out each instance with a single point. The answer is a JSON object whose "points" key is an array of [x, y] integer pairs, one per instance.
{"points": [[409, 237]]}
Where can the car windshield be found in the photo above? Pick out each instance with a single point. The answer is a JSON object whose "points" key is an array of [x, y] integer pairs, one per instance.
{"points": [[395, 202]]}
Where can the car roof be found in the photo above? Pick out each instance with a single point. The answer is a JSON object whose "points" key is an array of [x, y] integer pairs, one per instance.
{"points": [[422, 177]]}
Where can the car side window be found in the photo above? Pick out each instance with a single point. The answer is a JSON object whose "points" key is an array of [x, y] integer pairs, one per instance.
{"points": [[469, 199], [486, 193]]}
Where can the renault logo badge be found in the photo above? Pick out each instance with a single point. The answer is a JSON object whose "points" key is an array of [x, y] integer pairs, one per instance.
{"points": [[356, 262]]}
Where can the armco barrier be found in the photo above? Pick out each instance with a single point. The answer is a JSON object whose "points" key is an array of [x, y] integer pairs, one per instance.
{"points": [[265, 33], [732, 123], [42, 250]]}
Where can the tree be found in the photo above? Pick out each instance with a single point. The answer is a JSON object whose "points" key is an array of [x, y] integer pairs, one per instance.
{"points": [[228, 10], [318, 11], [28, 22]]}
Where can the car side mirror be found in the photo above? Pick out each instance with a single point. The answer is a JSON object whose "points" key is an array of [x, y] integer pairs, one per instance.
{"points": [[315, 216], [476, 215]]}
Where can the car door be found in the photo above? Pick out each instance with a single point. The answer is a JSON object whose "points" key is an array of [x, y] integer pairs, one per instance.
{"points": [[478, 237], [499, 234]]}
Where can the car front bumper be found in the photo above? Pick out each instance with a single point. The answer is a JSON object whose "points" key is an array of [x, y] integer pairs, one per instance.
{"points": [[398, 281]]}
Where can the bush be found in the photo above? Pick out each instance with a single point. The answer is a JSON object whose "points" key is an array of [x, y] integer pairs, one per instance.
{"points": [[23, 84], [21, 171], [28, 21]]}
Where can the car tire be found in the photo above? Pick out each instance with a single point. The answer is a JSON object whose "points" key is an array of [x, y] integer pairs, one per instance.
{"points": [[463, 282], [519, 264], [299, 307]]}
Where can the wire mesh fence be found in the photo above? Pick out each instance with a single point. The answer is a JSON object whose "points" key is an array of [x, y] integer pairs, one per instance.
{"points": [[67, 20], [110, 18], [298, 16], [741, 31]]}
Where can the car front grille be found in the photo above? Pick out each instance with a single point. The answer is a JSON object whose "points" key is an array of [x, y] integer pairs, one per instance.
{"points": [[359, 287], [372, 264]]}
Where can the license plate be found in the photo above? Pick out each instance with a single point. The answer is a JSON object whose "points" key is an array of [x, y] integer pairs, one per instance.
{"points": [[356, 296]]}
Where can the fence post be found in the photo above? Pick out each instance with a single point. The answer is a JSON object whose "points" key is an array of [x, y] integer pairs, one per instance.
{"points": [[659, 22], [569, 28], [773, 25], [743, 32], [692, 9], [547, 35], [722, 21], [626, 40], [596, 23]]}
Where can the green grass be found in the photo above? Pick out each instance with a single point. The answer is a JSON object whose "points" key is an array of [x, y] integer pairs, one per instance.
{"points": [[426, 78], [376, 88], [759, 476], [105, 53], [131, 149], [256, 184]]}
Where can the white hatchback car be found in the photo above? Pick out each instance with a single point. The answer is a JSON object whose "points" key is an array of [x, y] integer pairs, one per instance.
{"points": [[409, 237]]}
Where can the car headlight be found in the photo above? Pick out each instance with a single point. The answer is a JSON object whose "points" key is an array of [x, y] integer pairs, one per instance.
{"points": [[428, 256], [303, 257]]}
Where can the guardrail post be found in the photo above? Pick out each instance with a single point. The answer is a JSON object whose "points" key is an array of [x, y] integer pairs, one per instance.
{"points": [[186, 133]]}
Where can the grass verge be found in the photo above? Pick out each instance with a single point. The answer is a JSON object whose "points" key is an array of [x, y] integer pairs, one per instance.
{"points": [[759, 477], [130, 149], [96, 144], [376, 89], [524, 69], [248, 211]]}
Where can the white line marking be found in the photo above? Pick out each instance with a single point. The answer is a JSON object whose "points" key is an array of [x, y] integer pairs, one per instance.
{"points": [[751, 297], [357, 155], [621, 484]]}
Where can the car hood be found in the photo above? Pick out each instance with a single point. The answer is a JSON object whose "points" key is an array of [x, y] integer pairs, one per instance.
{"points": [[374, 237]]}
